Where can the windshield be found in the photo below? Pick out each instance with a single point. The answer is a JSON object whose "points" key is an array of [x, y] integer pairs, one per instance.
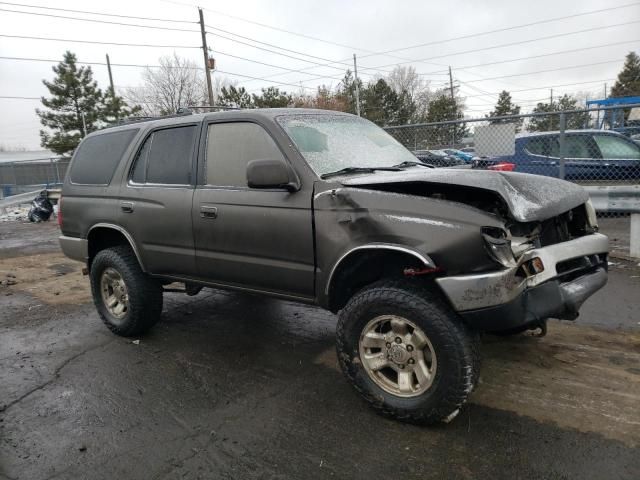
{"points": [[333, 142]]}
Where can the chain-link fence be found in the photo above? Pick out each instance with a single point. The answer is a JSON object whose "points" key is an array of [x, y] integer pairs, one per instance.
{"points": [[29, 175], [593, 148]]}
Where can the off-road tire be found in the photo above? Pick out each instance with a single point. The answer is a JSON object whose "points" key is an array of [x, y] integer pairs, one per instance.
{"points": [[144, 292], [456, 348]]}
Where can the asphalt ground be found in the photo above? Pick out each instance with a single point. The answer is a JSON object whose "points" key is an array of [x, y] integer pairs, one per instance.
{"points": [[231, 385]]}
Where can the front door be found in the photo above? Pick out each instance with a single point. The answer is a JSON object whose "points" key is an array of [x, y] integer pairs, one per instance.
{"points": [[253, 238], [156, 200]]}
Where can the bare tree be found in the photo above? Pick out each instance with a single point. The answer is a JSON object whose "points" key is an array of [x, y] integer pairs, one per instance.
{"points": [[406, 79], [178, 82]]}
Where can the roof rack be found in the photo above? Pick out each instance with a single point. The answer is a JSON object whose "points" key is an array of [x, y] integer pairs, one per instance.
{"points": [[182, 112]]}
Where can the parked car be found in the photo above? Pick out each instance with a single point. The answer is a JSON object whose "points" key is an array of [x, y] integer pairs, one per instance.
{"points": [[438, 158], [591, 155], [466, 156], [326, 208]]}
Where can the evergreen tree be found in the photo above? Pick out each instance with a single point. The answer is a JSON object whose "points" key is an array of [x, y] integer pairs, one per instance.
{"points": [[272, 97], [74, 108], [628, 82], [552, 122], [383, 106], [505, 107], [347, 91], [114, 108], [443, 108], [235, 97]]}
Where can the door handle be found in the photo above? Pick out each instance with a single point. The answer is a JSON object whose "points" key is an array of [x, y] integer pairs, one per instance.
{"points": [[209, 212], [127, 207]]}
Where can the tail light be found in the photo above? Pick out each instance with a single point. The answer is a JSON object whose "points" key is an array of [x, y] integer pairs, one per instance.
{"points": [[502, 167], [60, 212]]}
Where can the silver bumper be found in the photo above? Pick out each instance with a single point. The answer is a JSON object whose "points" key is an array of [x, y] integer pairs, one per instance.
{"points": [[74, 248], [473, 292]]}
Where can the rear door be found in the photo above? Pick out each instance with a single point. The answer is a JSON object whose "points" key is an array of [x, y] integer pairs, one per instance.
{"points": [[156, 200], [253, 238], [536, 155]]}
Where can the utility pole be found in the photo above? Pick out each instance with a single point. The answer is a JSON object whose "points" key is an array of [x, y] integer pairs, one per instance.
{"points": [[551, 110], [205, 52], [453, 98], [113, 90], [355, 71], [453, 104], [551, 97], [605, 91]]}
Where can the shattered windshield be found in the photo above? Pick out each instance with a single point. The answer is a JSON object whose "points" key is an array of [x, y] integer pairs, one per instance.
{"points": [[335, 142]]}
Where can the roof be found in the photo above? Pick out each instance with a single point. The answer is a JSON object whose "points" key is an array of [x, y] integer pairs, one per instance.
{"points": [[267, 113], [28, 156]]}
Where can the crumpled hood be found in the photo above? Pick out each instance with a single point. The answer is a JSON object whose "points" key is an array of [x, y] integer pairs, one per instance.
{"points": [[528, 197]]}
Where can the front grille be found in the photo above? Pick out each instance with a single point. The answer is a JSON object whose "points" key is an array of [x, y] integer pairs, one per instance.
{"points": [[575, 267], [565, 227]]}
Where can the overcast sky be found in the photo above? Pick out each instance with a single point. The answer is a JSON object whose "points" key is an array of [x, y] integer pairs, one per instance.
{"points": [[361, 27]]}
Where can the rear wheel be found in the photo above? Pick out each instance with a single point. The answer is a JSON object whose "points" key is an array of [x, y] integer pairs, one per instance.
{"points": [[128, 301], [406, 352]]}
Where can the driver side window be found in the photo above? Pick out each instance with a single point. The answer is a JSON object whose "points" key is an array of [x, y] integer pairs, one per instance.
{"points": [[231, 146]]}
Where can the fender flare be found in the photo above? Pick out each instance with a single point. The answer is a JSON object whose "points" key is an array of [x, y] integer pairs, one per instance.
{"points": [[425, 259], [126, 235]]}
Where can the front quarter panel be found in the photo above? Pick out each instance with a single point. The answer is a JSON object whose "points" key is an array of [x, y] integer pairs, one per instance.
{"points": [[447, 232]]}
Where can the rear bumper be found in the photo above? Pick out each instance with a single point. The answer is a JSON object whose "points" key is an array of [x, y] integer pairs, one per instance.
{"points": [[507, 299], [74, 248]]}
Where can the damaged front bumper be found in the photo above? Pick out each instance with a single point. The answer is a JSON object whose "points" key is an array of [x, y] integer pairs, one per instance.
{"points": [[512, 298]]}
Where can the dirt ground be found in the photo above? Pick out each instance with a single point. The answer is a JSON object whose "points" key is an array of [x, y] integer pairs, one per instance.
{"points": [[237, 386]]}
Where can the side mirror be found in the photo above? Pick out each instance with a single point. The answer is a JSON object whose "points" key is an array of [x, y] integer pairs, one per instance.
{"points": [[269, 174]]}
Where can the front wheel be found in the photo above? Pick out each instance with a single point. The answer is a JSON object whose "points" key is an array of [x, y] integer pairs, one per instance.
{"points": [[406, 352], [128, 301]]}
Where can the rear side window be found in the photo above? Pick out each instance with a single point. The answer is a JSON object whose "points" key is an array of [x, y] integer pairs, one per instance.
{"points": [[165, 157], [97, 157], [230, 146], [539, 146]]}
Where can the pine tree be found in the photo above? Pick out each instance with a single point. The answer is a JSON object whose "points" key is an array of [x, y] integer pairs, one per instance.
{"points": [[235, 97], [114, 108], [74, 108], [444, 108], [505, 107], [548, 123], [628, 82], [272, 97]]}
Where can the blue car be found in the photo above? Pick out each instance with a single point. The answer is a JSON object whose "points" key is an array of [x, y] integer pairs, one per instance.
{"points": [[590, 155], [466, 156]]}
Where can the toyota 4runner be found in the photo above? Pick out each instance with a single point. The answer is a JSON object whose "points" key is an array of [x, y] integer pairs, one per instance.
{"points": [[326, 208]]}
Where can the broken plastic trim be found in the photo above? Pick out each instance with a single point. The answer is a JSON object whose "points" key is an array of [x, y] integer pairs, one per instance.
{"points": [[498, 246]]}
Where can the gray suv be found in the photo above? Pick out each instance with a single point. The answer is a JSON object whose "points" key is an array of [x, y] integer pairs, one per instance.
{"points": [[326, 208]]}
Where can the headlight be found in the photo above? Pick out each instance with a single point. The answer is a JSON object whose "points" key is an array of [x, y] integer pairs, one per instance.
{"points": [[498, 246], [592, 219]]}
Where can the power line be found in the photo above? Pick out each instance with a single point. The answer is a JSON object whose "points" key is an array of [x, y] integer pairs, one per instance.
{"points": [[534, 56], [547, 87], [521, 42], [545, 71], [98, 13], [505, 29], [156, 27], [97, 42], [234, 74], [19, 98], [478, 34], [329, 65]]}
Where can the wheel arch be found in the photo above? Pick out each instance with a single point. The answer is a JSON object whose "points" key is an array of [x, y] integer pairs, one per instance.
{"points": [[353, 270], [106, 235]]}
